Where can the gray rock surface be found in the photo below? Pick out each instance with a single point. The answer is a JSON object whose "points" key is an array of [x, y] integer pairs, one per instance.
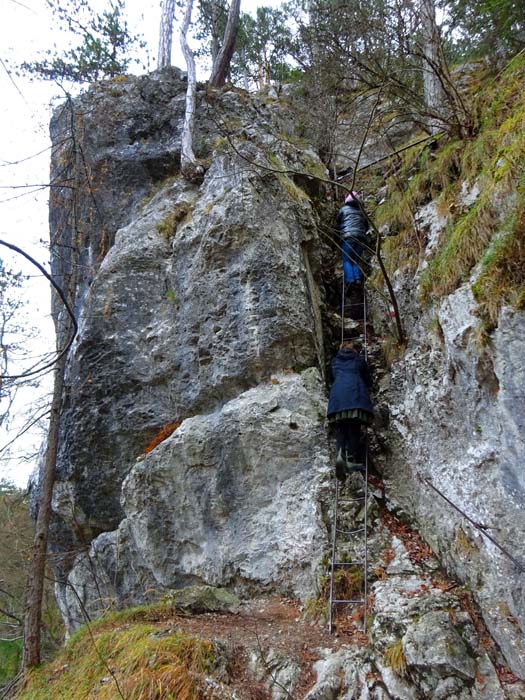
{"points": [[432, 642], [230, 498], [190, 295], [457, 411], [438, 653], [200, 309]]}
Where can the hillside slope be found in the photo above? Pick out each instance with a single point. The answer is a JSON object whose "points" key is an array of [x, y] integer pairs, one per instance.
{"points": [[193, 446], [455, 396]]}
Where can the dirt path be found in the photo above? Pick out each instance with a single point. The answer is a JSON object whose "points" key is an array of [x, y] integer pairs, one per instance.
{"points": [[275, 626]]}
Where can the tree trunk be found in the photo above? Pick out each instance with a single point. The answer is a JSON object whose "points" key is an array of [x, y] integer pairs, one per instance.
{"points": [[221, 65], [66, 329], [215, 37], [166, 33], [36, 576], [189, 167], [435, 98]]}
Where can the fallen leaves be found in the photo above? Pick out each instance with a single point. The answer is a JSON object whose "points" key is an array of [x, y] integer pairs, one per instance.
{"points": [[418, 551]]}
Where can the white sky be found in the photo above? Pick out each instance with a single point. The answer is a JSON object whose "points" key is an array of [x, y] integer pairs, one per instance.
{"points": [[27, 28]]}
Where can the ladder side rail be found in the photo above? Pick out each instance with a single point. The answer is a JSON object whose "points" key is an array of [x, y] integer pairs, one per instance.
{"points": [[333, 602], [365, 573], [343, 310], [332, 567], [365, 313]]}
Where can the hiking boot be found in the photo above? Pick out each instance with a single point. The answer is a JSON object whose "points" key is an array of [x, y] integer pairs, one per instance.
{"points": [[340, 466], [352, 467]]}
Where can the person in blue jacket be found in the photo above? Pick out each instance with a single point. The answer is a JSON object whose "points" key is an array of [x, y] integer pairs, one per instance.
{"points": [[352, 226], [349, 407]]}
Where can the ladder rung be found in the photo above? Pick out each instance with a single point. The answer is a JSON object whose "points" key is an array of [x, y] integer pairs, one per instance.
{"points": [[350, 532], [352, 500], [349, 563], [357, 600]]}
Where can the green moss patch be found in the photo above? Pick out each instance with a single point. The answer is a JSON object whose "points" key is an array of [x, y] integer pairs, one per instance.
{"points": [[181, 214], [10, 657]]}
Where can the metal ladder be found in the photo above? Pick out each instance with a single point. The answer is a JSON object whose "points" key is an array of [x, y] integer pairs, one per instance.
{"points": [[348, 307]]}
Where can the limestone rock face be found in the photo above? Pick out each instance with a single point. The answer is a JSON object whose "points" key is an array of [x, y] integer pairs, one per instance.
{"points": [[193, 446], [457, 412], [231, 498], [420, 644], [206, 292]]}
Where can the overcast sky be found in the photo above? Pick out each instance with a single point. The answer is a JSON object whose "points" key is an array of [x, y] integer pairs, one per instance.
{"points": [[28, 28]]}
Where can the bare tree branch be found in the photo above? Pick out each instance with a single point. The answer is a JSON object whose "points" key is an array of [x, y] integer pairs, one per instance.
{"points": [[67, 306]]}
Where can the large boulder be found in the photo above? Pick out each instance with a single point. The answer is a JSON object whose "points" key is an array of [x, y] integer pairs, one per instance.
{"points": [[231, 498], [190, 295]]}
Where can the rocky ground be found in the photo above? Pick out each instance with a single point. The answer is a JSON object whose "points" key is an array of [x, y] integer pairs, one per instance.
{"points": [[424, 639]]}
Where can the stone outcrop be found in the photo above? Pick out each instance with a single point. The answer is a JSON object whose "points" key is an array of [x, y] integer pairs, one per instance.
{"points": [[205, 313], [231, 498], [457, 412], [193, 446]]}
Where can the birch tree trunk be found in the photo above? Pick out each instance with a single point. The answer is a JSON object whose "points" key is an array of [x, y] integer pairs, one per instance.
{"points": [[167, 16], [215, 37], [221, 64], [189, 167]]}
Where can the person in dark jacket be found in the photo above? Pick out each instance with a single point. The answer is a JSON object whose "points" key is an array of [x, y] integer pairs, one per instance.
{"points": [[349, 406], [352, 226]]}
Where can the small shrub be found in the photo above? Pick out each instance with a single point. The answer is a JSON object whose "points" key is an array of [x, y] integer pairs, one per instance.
{"points": [[170, 223]]}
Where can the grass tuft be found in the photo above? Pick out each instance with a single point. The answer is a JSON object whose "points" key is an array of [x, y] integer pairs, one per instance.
{"points": [[488, 232], [146, 662], [395, 658], [170, 223]]}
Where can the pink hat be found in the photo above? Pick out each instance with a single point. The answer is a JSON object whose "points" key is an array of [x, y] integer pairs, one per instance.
{"points": [[351, 197]]}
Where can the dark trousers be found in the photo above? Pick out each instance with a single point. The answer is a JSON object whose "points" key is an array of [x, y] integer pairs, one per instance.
{"points": [[348, 438]]}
